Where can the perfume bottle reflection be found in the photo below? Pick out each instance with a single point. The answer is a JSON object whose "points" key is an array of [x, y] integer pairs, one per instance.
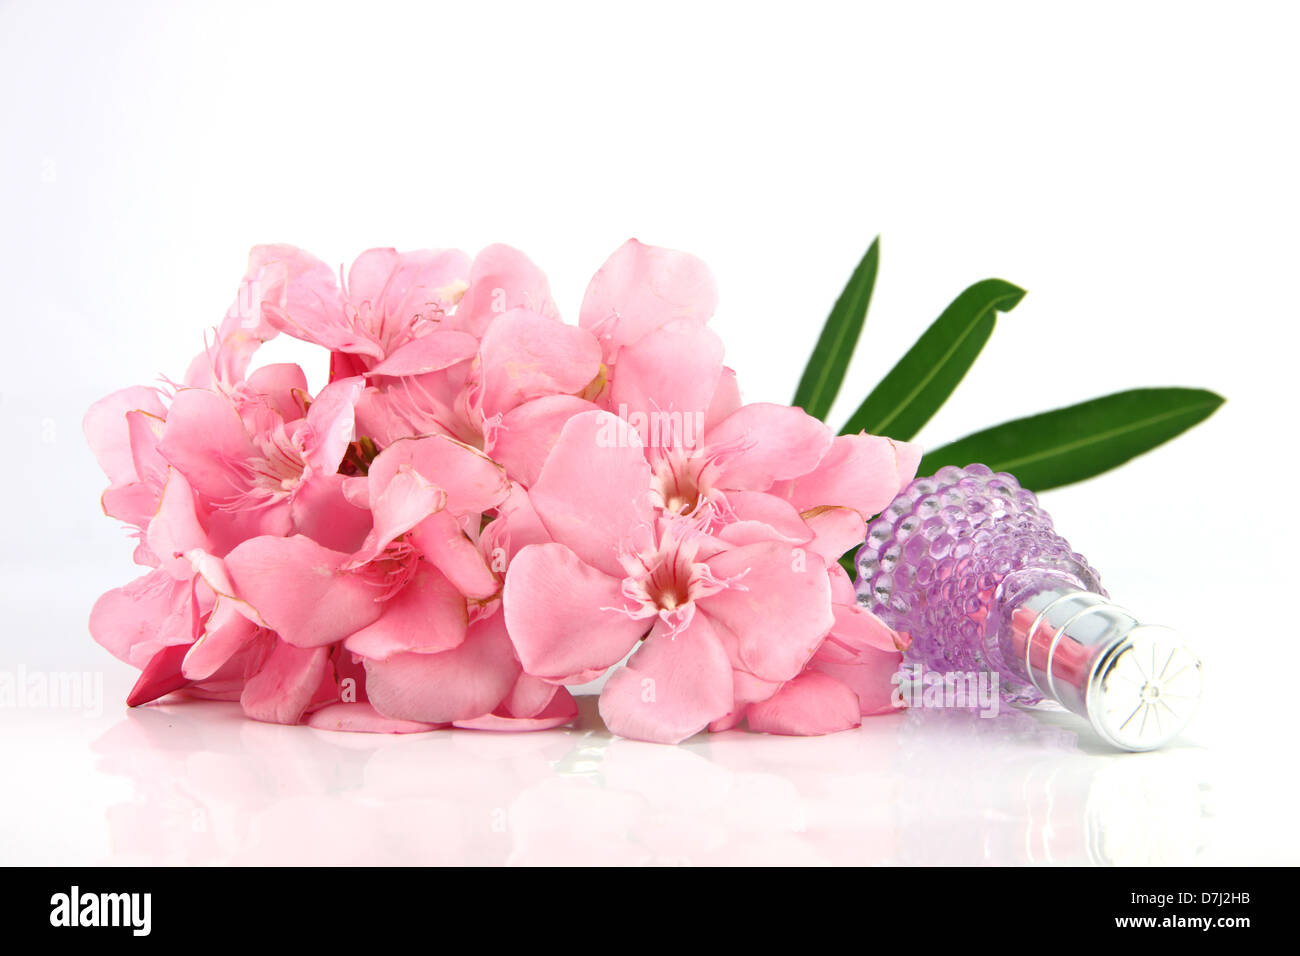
{"points": [[1023, 788]]}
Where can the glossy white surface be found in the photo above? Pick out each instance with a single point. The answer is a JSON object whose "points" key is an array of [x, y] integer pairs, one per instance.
{"points": [[194, 782]]}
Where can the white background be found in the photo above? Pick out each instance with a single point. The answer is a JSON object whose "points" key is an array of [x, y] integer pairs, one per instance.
{"points": [[1132, 165]]}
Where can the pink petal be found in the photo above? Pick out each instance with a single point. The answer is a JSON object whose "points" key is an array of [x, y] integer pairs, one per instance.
{"points": [[779, 606], [136, 501], [750, 689], [473, 482], [759, 516], [560, 710], [563, 615], [855, 630], [909, 457], [330, 423], [811, 704], [225, 362], [403, 408], [106, 430], [515, 527], [502, 278], [226, 632], [762, 443], [726, 399], [468, 681], [369, 275], [727, 722], [281, 690], [214, 573], [441, 540], [205, 440], [427, 616], [529, 697], [641, 288], [227, 682], [836, 530], [405, 501], [747, 688], [671, 371], [176, 530], [136, 621], [525, 356], [402, 285], [299, 589], [842, 589], [161, 676], [302, 298], [360, 717], [283, 386], [528, 432], [146, 432], [135, 504], [231, 629], [267, 282], [245, 327], [869, 678], [228, 528], [323, 513], [435, 351], [671, 688], [862, 472], [593, 490]]}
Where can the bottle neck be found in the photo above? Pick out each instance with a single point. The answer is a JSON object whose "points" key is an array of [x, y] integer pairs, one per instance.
{"points": [[1052, 631], [1013, 604], [1136, 684]]}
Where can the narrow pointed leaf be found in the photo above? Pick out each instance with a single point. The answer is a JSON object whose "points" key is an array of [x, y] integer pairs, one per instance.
{"points": [[1071, 444], [830, 358], [923, 379]]}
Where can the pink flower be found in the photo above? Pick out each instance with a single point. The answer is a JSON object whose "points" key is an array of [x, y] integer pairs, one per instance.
{"points": [[415, 603], [123, 430], [846, 679], [474, 351], [264, 459], [524, 375], [761, 485], [641, 288], [485, 504], [224, 363], [385, 317], [615, 573], [151, 622], [757, 465]]}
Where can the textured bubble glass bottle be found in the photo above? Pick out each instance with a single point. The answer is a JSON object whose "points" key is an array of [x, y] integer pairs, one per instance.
{"points": [[969, 566]]}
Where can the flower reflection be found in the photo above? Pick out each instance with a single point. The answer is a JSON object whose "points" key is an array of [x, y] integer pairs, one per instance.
{"points": [[915, 788]]}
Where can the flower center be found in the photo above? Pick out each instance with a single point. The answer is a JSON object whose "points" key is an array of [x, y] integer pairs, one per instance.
{"points": [[664, 576], [391, 332], [668, 585], [679, 480], [279, 470], [392, 569], [267, 478]]}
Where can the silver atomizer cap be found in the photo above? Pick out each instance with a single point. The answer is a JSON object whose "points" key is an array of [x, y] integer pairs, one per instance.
{"points": [[1144, 689]]}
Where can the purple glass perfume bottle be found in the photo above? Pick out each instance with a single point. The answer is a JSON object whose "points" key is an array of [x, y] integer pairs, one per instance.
{"points": [[969, 566]]}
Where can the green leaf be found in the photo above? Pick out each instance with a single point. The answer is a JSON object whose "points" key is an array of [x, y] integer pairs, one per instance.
{"points": [[925, 377], [849, 563], [1071, 444], [830, 358]]}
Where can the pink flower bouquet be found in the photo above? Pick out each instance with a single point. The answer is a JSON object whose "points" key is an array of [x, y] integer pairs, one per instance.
{"points": [[485, 504]]}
